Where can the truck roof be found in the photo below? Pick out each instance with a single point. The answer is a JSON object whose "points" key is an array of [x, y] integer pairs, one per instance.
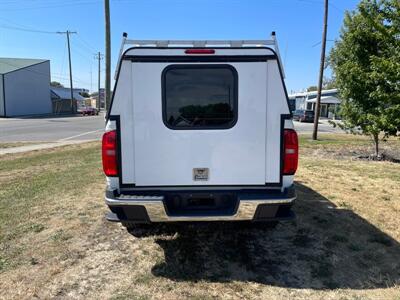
{"points": [[153, 45]]}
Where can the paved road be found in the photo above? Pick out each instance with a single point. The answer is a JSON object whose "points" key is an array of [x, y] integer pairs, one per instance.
{"points": [[323, 126], [62, 129], [57, 129]]}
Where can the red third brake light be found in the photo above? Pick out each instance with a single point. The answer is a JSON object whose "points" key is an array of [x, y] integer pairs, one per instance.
{"points": [[109, 153], [199, 51], [290, 152]]}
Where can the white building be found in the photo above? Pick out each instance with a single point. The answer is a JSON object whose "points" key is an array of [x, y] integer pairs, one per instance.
{"points": [[24, 87], [330, 102]]}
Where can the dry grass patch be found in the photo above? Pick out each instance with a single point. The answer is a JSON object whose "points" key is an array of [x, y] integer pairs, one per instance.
{"points": [[55, 243], [347, 146], [17, 144]]}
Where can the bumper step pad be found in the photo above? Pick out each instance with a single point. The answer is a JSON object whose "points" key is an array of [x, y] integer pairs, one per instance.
{"points": [[263, 206]]}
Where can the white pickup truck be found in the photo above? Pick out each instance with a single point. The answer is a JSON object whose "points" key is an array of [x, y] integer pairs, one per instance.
{"points": [[199, 131]]}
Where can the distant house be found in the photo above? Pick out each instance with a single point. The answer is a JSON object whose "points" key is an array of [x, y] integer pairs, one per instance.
{"points": [[24, 87], [330, 102], [61, 98], [92, 102], [95, 95]]}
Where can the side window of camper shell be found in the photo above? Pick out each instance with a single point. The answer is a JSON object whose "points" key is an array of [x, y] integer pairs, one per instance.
{"points": [[200, 96]]}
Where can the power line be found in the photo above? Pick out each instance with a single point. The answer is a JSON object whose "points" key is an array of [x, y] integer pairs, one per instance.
{"points": [[66, 78], [337, 7], [63, 59], [27, 30], [43, 74], [310, 1], [82, 51], [70, 4], [316, 44], [334, 6], [86, 44], [17, 2], [49, 32], [21, 27], [83, 45]]}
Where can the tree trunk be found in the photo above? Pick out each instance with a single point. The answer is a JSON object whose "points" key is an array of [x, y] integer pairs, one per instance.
{"points": [[376, 142]]}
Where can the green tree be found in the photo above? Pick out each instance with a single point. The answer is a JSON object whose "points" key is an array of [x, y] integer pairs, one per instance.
{"points": [[329, 83], [56, 84], [366, 64], [84, 94], [312, 88]]}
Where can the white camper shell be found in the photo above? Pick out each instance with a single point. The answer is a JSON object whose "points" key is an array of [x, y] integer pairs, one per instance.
{"points": [[199, 131]]}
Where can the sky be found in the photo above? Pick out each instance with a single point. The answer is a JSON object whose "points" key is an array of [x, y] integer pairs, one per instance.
{"points": [[28, 30]]}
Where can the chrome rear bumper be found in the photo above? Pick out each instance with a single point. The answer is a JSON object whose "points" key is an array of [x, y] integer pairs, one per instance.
{"points": [[246, 210]]}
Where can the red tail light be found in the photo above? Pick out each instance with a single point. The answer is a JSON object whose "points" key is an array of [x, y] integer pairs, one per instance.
{"points": [[109, 153], [290, 152], [199, 51]]}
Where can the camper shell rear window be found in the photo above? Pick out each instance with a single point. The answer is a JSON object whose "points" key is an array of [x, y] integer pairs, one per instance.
{"points": [[200, 96]]}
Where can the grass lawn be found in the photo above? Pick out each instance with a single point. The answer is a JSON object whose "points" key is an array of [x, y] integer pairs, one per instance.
{"points": [[347, 146], [344, 244]]}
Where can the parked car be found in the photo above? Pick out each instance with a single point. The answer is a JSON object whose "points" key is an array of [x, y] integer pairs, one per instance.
{"points": [[199, 132], [89, 111], [303, 115]]}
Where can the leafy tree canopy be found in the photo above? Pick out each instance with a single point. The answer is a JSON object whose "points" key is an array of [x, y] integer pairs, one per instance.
{"points": [[312, 88], [56, 84], [329, 83], [366, 64], [84, 94]]}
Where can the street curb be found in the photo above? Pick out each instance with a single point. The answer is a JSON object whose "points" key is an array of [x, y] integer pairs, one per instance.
{"points": [[28, 148]]}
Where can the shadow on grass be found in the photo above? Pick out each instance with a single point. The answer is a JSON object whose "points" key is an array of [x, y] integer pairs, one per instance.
{"points": [[325, 248]]}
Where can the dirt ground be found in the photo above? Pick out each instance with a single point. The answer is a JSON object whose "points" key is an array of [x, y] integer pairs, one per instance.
{"points": [[55, 242]]}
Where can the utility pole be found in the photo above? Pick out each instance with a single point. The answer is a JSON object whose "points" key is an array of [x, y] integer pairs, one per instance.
{"points": [[321, 73], [108, 54], [70, 66], [99, 57]]}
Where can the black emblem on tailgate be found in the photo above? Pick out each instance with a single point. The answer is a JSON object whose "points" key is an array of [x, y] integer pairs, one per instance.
{"points": [[200, 174]]}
